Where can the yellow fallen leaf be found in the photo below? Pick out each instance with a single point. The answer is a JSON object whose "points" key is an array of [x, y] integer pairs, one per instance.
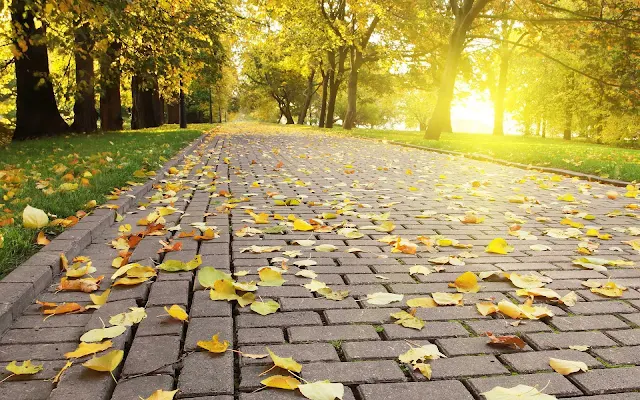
{"points": [[499, 246], [66, 366], [566, 367], [447, 299], [97, 335], [214, 345], [302, 225], [579, 347], [407, 320], [322, 390], [466, 283], [525, 281], [281, 382], [100, 299], [421, 354], [422, 302], [261, 218], [177, 312], [129, 281], [270, 277], [425, 369], [567, 197], [382, 298], [84, 349], [27, 368], [106, 363], [286, 363], [486, 308], [42, 239], [520, 392], [265, 308], [223, 290], [34, 218], [508, 308], [609, 289], [129, 318]]}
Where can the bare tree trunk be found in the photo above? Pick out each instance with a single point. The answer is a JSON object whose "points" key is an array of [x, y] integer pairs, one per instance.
{"points": [[307, 100], [110, 99], [544, 128], [36, 108]]}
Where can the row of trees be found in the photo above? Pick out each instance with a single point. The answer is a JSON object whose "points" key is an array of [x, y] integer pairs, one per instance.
{"points": [[154, 48], [556, 66]]}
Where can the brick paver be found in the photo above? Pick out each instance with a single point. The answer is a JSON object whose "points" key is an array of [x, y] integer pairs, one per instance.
{"points": [[342, 183]]}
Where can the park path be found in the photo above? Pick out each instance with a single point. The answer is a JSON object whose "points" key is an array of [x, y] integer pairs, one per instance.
{"points": [[351, 341]]}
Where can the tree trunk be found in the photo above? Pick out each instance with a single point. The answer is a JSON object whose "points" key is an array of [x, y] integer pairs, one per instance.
{"points": [[323, 103], [146, 104], [210, 107], [84, 108], [287, 113], [307, 100], [544, 128], [173, 111], [36, 108], [335, 79], [183, 109], [465, 12], [110, 99], [441, 118], [219, 111], [498, 106], [422, 126], [352, 89]]}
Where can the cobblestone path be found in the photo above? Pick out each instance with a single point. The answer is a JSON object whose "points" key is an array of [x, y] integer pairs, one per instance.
{"points": [[352, 341]]}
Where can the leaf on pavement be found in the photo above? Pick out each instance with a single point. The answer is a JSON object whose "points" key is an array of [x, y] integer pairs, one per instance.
{"points": [[27, 368], [106, 363], [566, 367], [281, 382], [214, 345], [322, 390], [520, 392]]}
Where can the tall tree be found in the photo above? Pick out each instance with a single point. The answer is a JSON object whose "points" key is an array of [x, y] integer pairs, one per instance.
{"points": [[464, 13], [84, 110], [36, 107]]}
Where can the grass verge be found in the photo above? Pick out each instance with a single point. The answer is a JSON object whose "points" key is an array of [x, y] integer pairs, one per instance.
{"points": [[43, 173], [576, 155]]}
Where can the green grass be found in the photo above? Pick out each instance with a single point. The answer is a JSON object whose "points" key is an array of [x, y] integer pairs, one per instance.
{"points": [[111, 158], [576, 155]]}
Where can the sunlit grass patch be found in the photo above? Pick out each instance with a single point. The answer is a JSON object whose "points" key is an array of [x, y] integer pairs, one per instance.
{"points": [[44, 173]]}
